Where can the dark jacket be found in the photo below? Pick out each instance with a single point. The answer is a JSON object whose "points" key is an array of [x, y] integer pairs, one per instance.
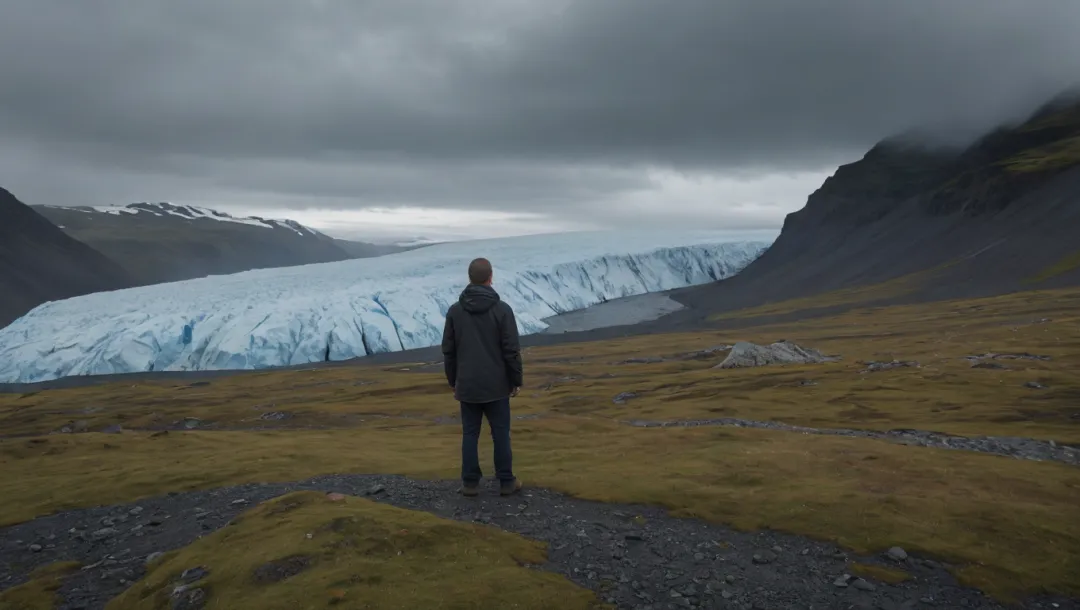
{"points": [[480, 346]]}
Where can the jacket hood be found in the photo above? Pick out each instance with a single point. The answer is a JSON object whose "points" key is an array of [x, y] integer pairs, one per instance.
{"points": [[477, 298]]}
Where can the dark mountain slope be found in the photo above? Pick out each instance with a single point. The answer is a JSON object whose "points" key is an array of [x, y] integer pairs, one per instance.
{"points": [[39, 262], [998, 216], [162, 242]]}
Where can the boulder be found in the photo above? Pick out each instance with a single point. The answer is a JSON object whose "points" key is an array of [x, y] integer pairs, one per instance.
{"points": [[746, 354]]}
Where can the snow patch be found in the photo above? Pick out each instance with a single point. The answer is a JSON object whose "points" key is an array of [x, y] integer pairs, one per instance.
{"points": [[190, 212]]}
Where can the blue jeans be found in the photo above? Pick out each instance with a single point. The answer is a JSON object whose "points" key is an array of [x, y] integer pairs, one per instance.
{"points": [[498, 416]]}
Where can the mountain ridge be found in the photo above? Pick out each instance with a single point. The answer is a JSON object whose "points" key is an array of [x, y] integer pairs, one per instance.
{"points": [[999, 215], [40, 263], [165, 242]]}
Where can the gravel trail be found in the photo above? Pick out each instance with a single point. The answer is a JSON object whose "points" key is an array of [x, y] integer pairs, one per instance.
{"points": [[654, 561], [1009, 446]]}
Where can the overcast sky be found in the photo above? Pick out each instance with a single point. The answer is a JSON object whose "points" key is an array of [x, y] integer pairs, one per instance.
{"points": [[461, 118]]}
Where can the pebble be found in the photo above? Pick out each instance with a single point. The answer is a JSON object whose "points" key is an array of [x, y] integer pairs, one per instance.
{"points": [[35, 548], [863, 585], [197, 573], [104, 532], [896, 554]]}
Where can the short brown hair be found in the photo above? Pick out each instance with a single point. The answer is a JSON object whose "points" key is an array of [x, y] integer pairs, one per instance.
{"points": [[479, 271]]}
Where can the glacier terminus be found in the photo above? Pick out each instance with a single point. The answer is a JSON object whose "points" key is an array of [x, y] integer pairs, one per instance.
{"points": [[342, 310]]}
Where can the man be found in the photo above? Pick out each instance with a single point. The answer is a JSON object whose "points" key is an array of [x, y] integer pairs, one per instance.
{"points": [[482, 357]]}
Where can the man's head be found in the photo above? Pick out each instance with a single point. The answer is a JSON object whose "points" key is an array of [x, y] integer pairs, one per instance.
{"points": [[480, 272]]}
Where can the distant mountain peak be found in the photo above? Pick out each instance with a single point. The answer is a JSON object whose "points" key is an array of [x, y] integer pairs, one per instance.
{"points": [[191, 212]]}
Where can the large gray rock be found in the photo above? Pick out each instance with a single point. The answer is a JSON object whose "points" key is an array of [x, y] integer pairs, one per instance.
{"points": [[746, 354]]}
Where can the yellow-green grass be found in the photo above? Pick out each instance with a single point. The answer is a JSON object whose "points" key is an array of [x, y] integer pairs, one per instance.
{"points": [[1011, 524], [1012, 521], [39, 592], [304, 551], [1055, 156], [945, 394], [1066, 264]]}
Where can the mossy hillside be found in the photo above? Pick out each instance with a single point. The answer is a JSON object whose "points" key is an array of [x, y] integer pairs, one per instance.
{"points": [[39, 592], [304, 551], [1012, 521]]}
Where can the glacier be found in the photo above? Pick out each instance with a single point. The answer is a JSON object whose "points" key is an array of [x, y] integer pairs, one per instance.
{"points": [[341, 310]]}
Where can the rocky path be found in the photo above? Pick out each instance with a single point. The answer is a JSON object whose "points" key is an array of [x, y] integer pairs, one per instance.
{"points": [[1010, 446], [633, 556]]}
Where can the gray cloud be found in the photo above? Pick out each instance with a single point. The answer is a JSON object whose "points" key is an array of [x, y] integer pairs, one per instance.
{"points": [[494, 103]]}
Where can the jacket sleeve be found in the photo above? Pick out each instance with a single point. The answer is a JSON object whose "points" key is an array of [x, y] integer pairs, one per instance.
{"points": [[511, 348], [449, 350]]}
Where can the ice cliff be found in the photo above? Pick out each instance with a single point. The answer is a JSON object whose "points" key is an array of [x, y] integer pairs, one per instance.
{"points": [[346, 309]]}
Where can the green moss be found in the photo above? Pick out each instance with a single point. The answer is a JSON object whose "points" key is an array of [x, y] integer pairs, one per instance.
{"points": [[303, 550]]}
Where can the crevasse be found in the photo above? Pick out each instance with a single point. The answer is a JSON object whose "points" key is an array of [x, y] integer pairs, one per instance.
{"points": [[342, 310]]}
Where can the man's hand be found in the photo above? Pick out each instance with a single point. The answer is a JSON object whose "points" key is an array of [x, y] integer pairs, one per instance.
{"points": [[514, 392]]}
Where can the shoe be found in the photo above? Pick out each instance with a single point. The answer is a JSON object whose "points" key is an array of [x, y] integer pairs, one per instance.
{"points": [[470, 490], [510, 488]]}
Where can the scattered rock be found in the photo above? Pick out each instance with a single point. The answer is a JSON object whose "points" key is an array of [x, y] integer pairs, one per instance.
{"points": [[113, 429], [745, 354], [1034, 385], [104, 533], [281, 569], [873, 367], [632, 562], [189, 423], [708, 352], [622, 397], [195, 574], [136, 510], [763, 557], [863, 585], [989, 365], [335, 497], [1019, 356], [35, 548], [1017, 447], [376, 490], [184, 598], [159, 433], [152, 557], [896, 554], [239, 502], [275, 416], [80, 426]]}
